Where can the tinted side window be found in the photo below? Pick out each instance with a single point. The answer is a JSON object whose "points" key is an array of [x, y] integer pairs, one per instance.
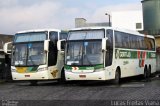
{"points": [[131, 41], [109, 48], [110, 38], [118, 39], [139, 42], [150, 44], [125, 40], [52, 55], [53, 36], [63, 35]]}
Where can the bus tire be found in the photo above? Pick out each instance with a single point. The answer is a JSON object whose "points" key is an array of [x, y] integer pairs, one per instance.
{"points": [[117, 77], [62, 79], [33, 83], [145, 75], [149, 72]]}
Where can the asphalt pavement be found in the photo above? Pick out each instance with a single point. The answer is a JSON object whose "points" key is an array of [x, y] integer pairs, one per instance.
{"points": [[81, 92]]}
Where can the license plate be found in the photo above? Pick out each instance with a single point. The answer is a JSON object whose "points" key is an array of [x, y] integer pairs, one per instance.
{"points": [[82, 76], [27, 75]]}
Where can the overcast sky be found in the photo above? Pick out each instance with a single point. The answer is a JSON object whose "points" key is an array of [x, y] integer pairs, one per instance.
{"points": [[17, 15]]}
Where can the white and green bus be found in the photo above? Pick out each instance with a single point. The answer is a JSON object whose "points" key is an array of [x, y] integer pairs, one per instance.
{"points": [[35, 55], [105, 53]]}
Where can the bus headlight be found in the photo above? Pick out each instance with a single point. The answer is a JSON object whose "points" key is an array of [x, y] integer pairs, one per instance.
{"points": [[42, 69], [13, 70]]}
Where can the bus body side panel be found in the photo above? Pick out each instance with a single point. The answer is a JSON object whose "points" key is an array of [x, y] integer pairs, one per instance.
{"points": [[129, 67], [151, 61], [55, 71], [135, 66], [110, 72]]}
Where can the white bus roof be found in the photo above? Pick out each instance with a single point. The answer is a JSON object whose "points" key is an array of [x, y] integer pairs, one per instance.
{"points": [[39, 30], [114, 28]]}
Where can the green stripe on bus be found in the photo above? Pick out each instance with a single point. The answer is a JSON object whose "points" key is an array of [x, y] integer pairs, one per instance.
{"points": [[67, 67], [128, 54], [32, 69], [151, 55], [98, 66]]}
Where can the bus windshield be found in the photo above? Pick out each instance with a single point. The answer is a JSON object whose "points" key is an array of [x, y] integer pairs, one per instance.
{"points": [[28, 54], [30, 37], [84, 53]]}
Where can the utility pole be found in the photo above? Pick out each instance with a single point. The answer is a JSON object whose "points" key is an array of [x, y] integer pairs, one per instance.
{"points": [[109, 18]]}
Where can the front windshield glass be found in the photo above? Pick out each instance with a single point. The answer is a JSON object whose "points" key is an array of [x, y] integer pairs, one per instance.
{"points": [[36, 54], [84, 53], [84, 47], [19, 54], [28, 54], [30, 37], [88, 34]]}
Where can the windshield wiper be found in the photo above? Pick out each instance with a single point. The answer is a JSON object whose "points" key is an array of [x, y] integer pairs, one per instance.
{"points": [[90, 63], [78, 57], [16, 60]]}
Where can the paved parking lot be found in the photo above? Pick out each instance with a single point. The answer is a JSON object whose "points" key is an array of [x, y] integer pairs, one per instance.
{"points": [[129, 89]]}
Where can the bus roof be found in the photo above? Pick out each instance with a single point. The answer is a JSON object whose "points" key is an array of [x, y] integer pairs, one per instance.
{"points": [[40, 30], [114, 28]]}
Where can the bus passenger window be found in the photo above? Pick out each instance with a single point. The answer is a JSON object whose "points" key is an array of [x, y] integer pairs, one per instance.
{"points": [[53, 37], [63, 35]]}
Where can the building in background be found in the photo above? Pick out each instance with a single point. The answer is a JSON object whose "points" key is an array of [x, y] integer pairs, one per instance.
{"points": [[3, 39], [82, 22], [132, 20], [151, 16], [5, 72], [151, 20]]}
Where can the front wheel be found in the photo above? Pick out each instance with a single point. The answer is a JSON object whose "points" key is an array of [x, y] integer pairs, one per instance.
{"points": [[33, 83], [117, 77], [145, 73], [63, 78]]}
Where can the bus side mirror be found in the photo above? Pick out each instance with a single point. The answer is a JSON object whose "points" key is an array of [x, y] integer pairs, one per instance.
{"points": [[46, 45], [104, 44], [61, 45], [7, 47]]}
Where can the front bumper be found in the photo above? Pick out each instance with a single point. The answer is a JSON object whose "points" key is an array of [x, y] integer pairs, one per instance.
{"points": [[85, 76], [30, 76]]}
